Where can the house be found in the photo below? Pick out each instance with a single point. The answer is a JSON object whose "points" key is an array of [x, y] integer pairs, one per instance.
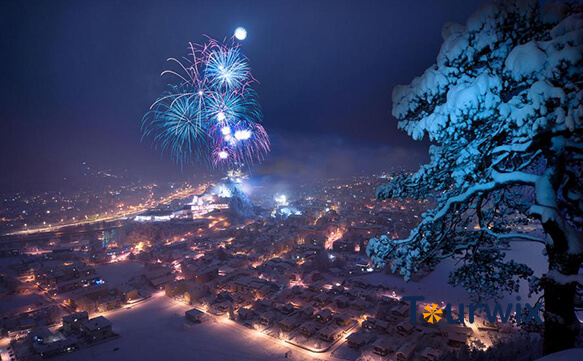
{"points": [[342, 301], [97, 329], [382, 326], [307, 295], [429, 354], [245, 313], [330, 333], [223, 306], [370, 295], [405, 328], [361, 304], [195, 315], [72, 323], [40, 336], [194, 291], [400, 311], [82, 304], [324, 315], [351, 294], [320, 300], [383, 347], [225, 296], [287, 309], [317, 286], [206, 274], [127, 293], [107, 303], [405, 352], [307, 311], [71, 285], [289, 323], [309, 328], [369, 323], [359, 340], [160, 282], [267, 318], [256, 286], [342, 319], [455, 339], [264, 303], [68, 344], [343, 246], [158, 276]]}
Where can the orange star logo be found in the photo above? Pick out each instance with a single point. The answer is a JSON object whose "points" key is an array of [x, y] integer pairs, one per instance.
{"points": [[432, 313]]}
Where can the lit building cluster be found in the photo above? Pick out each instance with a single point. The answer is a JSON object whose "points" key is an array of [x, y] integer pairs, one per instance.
{"points": [[297, 277]]}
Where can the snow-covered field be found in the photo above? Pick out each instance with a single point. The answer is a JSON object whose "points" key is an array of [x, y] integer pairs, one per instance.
{"points": [[157, 330], [116, 273], [434, 287]]}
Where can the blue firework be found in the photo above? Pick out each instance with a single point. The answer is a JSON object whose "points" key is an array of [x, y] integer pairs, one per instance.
{"points": [[179, 125], [212, 115], [227, 68]]}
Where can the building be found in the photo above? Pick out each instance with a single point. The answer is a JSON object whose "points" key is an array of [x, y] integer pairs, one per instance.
{"points": [[191, 290], [72, 323], [289, 323], [455, 339], [343, 246], [57, 347], [330, 333], [405, 352], [342, 319], [158, 276], [256, 286], [267, 318], [127, 293], [309, 328], [405, 328], [195, 315], [97, 329], [324, 315], [359, 340], [429, 354], [245, 314], [383, 347]]}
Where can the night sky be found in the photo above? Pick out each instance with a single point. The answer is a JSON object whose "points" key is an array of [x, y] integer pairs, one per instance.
{"points": [[77, 77]]}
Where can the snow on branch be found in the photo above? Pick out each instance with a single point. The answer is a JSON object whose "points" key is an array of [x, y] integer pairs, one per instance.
{"points": [[562, 279]]}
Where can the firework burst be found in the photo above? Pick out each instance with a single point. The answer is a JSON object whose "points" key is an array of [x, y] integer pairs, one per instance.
{"points": [[212, 114]]}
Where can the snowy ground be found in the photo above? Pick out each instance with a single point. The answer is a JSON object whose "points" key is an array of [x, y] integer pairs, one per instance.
{"points": [[116, 273], [157, 330], [567, 355], [434, 287]]}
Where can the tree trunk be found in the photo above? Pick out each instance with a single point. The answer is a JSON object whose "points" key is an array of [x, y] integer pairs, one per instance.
{"points": [[561, 326]]}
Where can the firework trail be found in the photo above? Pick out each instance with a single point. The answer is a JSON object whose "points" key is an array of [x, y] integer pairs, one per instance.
{"points": [[211, 115]]}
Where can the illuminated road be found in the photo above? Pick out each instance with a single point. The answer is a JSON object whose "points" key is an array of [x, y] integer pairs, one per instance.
{"points": [[482, 336], [110, 217]]}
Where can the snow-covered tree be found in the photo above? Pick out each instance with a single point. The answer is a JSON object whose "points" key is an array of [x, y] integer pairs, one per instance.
{"points": [[502, 107]]}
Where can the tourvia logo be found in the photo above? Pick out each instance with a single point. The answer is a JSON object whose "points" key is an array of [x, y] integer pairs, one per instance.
{"points": [[433, 313]]}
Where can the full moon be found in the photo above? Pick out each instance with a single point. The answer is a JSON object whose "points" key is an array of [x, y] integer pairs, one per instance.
{"points": [[240, 33]]}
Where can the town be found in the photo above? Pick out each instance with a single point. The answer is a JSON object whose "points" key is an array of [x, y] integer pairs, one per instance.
{"points": [[297, 274]]}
